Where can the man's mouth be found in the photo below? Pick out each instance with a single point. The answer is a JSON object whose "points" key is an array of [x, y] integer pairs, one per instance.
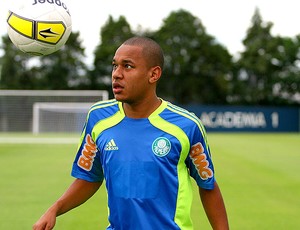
{"points": [[117, 88]]}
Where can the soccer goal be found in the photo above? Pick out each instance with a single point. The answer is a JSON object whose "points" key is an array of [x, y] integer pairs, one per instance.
{"points": [[59, 117], [46, 110]]}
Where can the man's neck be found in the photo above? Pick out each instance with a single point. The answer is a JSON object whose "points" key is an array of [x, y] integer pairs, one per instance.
{"points": [[141, 109]]}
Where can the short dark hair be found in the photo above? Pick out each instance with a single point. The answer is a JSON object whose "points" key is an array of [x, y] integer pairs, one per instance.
{"points": [[151, 49]]}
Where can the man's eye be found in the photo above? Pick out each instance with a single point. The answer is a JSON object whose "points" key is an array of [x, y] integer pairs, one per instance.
{"points": [[127, 66]]}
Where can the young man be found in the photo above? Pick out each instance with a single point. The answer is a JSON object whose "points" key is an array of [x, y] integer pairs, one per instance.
{"points": [[146, 149]]}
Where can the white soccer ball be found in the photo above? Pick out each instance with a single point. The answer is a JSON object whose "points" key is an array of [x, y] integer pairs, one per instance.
{"points": [[39, 27]]}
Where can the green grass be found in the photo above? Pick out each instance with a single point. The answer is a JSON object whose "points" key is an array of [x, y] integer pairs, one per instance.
{"points": [[258, 175]]}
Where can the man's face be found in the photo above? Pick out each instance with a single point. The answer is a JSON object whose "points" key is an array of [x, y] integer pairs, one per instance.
{"points": [[130, 74]]}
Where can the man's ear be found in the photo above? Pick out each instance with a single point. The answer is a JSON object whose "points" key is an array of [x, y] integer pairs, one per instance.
{"points": [[155, 74]]}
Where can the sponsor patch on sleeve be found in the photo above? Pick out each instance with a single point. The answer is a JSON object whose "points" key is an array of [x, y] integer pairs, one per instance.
{"points": [[88, 153], [200, 161]]}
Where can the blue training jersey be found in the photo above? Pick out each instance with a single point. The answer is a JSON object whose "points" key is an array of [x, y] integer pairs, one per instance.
{"points": [[146, 163]]}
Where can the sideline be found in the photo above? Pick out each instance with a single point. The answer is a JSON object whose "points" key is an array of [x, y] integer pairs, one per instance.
{"points": [[38, 140]]}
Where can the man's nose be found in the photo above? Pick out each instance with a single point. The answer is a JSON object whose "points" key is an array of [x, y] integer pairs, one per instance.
{"points": [[116, 73]]}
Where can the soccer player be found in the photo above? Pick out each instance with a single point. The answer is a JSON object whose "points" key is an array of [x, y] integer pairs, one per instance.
{"points": [[145, 149]]}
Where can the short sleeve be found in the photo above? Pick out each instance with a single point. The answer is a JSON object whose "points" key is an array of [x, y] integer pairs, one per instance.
{"points": [[199, 159], [87, 165]]}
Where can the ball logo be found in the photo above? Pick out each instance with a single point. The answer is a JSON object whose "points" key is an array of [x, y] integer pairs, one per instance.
{"points": [[56, 2], [47, 32], [161, 146], [50, 32]]}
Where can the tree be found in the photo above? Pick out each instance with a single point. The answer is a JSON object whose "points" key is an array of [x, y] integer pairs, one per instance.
{"points": [[63, 69], [268, 69], [196, 67], [287, 58], [14, 67]]}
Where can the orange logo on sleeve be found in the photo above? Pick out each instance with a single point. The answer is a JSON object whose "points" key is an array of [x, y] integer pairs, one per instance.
{"points": [[199, 159], [88, 154]]}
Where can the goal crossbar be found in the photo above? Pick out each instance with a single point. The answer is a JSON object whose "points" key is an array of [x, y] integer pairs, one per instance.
{"points": [[102, 93]]}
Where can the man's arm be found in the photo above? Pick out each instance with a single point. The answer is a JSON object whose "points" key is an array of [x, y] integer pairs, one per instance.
{"points": [[214, 207], [79, 192]]}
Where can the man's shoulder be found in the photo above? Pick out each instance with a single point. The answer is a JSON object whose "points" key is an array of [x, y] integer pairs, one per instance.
{"points": [[104, 104], [179, 110], [104, 108], [181, 115]]}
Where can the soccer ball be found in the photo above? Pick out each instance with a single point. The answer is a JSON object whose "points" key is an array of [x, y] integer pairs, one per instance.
{"points": [[39, 27]]}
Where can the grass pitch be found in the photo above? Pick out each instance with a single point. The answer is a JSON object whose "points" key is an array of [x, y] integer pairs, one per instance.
{"points": [[257, 173]]}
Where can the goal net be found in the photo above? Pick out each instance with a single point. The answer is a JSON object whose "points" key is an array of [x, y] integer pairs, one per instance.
{"points": [[59, 117], [55, 110]]}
